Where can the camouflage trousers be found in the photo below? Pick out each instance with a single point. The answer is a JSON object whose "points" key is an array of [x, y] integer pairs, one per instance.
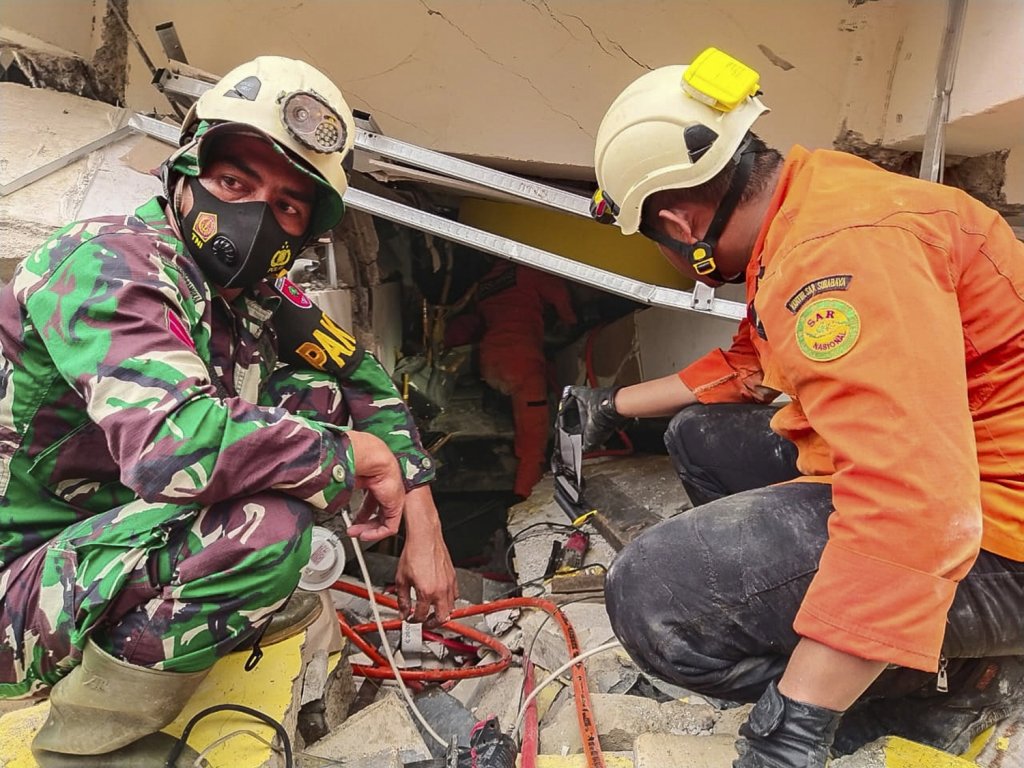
{"points": [[164, 586]]}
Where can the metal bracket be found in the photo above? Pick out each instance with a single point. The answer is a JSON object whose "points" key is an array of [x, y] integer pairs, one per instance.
{"points": [[170, 42], [703, 297]]}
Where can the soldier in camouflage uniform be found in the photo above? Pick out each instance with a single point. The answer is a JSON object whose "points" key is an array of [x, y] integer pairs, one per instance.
{"points": [[173, 411]]}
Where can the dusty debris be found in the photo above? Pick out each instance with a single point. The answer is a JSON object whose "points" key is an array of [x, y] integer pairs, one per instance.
{"points": [[659, 750], [620, 719], [381, 729]]}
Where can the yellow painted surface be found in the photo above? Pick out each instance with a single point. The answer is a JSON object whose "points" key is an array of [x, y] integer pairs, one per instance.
{"points": [[17, 730], [580, 761], [268, 688], [577, 238], [978, 744], [900, 753]]}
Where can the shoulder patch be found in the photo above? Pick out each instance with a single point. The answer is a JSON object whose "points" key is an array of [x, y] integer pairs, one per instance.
{"points": [[827, 329], [292, 292], [813, 288]]}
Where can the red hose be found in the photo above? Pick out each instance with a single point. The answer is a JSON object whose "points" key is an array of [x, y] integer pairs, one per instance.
{"points": [[528, 747], [381, 670], [584, 708]]}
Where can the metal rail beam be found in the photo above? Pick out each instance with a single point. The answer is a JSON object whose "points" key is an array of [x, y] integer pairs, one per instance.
{"points": [[701, 300]]}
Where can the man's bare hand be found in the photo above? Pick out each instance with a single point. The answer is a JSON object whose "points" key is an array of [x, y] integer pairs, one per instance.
{"points": [[425, 565], [378, 474]]}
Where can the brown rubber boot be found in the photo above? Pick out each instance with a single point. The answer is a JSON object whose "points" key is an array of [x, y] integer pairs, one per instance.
{"points": [[105, 704]]}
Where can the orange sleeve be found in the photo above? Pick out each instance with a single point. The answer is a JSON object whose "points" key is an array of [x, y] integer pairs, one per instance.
{"points": [[729, 376], [878, 368]]}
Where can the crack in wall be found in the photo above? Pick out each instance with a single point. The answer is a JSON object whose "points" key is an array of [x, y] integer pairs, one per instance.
{"points": [[551, 14], [524, 78], [370, 108], [630, 56], [407, 60]]}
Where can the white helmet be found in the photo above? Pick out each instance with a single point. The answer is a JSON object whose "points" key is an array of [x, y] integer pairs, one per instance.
{"points": [[293, 104], [674, 127]]}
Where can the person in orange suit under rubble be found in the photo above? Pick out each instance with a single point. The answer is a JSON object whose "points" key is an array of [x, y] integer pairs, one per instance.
{"points": [[511, 300], [854, 561]]}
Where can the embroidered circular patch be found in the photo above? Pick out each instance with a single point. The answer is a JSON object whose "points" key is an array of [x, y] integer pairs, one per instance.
{"points": [[827, 329]]}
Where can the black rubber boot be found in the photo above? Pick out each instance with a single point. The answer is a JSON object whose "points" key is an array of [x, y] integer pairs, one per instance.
{"points": [[981, 692]]}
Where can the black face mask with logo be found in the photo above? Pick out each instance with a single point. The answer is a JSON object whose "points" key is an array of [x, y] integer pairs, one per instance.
{"points": [[235, 244]]}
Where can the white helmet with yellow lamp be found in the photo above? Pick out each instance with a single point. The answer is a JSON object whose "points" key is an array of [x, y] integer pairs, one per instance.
{"points": [[675, 127]]}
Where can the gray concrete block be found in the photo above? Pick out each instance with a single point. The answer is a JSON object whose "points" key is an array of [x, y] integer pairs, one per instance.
{"points": [[383, 727], [660, 750], [620, 719], [730, 720]]}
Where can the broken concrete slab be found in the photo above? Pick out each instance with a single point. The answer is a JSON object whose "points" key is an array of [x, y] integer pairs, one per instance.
{"points": [[500, 698], [381, 728], [661, 750], [589, 620], [730, 720], [620, 719]]}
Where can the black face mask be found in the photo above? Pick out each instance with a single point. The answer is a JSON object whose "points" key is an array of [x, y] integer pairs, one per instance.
{"points": [[235, 244]]}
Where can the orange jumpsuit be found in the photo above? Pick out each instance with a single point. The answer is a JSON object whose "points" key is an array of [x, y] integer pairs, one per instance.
{"points": [[891, 311], [511, 300]]}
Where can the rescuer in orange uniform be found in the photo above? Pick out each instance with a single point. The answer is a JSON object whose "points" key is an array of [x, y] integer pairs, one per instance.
{"points": [[512, 299], [890, 531]]}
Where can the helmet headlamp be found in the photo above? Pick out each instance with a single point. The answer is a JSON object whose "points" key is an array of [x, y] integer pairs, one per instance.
{"points": [[313, 122]]}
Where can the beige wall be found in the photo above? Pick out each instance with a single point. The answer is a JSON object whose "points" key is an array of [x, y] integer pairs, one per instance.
{"points": [[67, 24], [525, 83], [511, 79]]}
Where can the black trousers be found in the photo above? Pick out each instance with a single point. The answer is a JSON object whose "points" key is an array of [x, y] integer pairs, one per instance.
{"points": [[706, 600]]}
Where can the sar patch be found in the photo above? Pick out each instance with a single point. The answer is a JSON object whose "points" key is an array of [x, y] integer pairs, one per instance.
{"points": [[827, 329], [813, 288]]}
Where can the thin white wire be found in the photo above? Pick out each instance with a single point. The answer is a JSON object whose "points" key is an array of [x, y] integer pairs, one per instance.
{"points": [[227, 737], [554, 675], [384, 639]]}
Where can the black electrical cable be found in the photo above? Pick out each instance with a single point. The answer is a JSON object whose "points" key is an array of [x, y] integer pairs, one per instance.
{"points": [[519, 537], [182, 741]]}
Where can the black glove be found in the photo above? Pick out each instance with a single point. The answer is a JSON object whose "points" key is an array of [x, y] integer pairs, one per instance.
{"points": [[598, 417], [783, 733]]}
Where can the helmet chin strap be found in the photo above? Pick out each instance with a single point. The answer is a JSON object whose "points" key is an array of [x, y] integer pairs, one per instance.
{"points": [[700, 255]]}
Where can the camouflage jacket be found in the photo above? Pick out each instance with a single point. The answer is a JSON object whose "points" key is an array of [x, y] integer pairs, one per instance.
{"points": [[125, 376]]}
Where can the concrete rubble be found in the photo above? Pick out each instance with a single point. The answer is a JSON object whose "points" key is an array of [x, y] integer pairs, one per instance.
{"points": [[641, 722]]}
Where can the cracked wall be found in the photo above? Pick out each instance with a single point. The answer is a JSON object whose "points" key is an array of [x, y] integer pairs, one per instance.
{"points": [[523, 84], [515, 81]]}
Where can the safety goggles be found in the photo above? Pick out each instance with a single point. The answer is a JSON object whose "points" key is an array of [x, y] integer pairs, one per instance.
{"points": [[313, 122]]}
